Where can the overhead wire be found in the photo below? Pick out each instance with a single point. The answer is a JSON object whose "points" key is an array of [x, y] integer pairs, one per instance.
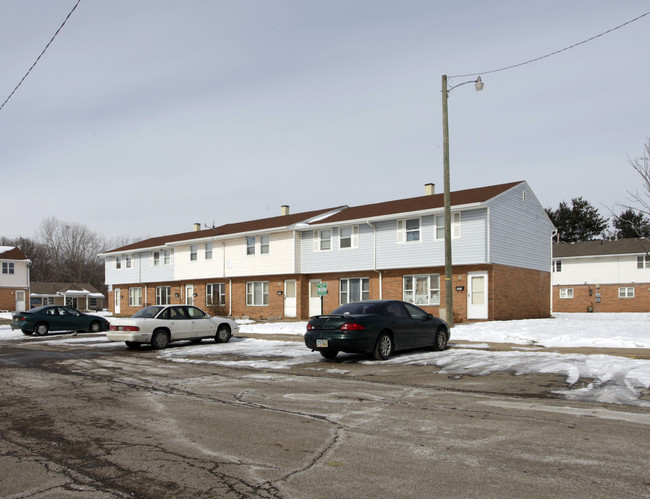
{"points": [[41, 55], [552, 53]]}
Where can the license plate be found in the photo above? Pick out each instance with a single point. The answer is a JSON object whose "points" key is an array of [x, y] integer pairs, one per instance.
{"points": [[321, 343]]}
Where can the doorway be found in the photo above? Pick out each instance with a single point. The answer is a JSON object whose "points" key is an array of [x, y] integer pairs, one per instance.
{"points": [[477, 295], [290, 309]]}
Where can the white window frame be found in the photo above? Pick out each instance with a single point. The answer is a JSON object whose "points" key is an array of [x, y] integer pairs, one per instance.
{"points": [[194, 252], [566, 293], [217, 290], [127, 261], [168, 256], [557, 265], [208, 251], [344, 290], [643, 262], [8, 268], [429, 286], [155, 258], [265, 244], [404, 231], [135, 297], [163, 295], [118, 263], [257, 294], [250, 245], [323, 243], [439, 226], [351, 240], [626, 292]]}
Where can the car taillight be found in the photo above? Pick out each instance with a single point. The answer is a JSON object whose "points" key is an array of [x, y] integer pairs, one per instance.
{"points": [[309, 327], [19, 317], [125, 328], [352, 326]]}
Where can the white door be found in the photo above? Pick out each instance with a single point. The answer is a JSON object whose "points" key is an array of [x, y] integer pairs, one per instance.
{"points": [[189, 294], [290, 298], [315, 301], [477, 295], [117, 300], [20, 301]]}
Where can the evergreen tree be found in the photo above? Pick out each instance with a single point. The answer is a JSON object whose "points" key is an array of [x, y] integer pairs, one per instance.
{"points": [[580, 222], [631, 223]]}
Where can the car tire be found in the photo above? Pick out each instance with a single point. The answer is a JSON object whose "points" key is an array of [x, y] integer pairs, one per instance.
{"points": [[159, 340], [383, 347], [41, 329], [27, 333], [440, 341], [95, 327], [329, 354], [223, 334], [132, 344]]}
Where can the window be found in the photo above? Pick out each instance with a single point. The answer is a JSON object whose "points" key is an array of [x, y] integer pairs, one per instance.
{"points": [[422, 289], [215, 294], [643, 262], [127, 261], [557, 265], [566, 293], [250, 245], [349, 237], [163, 294], [118, 262], [455, 226], [194, 250], [626, 292], [354, 290], [208, 251], [408, 230], [257, 293], [167, 256], [155, 258], [325, 240], [93, 303], [264, 244], [135, 297], [7, 267]]}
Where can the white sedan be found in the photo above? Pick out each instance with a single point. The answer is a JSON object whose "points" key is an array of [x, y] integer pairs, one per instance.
{"points": [[159, 325]]}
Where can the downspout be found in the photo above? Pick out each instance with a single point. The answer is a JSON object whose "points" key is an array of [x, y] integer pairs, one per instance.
{"points": [[374, 259]]}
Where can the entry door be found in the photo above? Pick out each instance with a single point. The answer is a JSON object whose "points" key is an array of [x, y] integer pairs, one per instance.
{"points": [[189, 294], [477, 295], [315, 302], [20, 301], [290, 298], [117, 300]]}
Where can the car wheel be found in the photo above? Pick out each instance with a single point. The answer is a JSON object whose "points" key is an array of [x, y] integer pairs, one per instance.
{"points": [[95, 327], [41, 329], [383, 347], [132, 344], [329, 354], [159, 340], [196, 340], [223, 334], [440, 342], [27, 333]]}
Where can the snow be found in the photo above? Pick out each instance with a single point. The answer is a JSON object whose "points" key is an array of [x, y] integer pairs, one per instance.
{"points": [[605, 378]]}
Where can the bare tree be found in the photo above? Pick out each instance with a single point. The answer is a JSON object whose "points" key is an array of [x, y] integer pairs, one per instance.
{"points": [[641, 165]]}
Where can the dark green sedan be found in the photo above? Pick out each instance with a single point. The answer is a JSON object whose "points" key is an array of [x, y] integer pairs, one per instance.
{"points": [[378, 327], [41, 320]]}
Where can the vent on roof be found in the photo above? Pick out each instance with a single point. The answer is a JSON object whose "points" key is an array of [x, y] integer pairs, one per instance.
{"points": [[429, 189], [284, 209]]}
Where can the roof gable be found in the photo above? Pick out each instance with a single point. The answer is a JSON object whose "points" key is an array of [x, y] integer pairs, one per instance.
{"points": [[12, 253]]}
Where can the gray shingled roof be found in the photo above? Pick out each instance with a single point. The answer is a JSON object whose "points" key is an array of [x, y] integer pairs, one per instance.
{"points": [[602, 248]]}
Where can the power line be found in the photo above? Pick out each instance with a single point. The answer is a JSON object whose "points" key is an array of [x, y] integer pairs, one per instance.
{"points": [[552, 53], [39, 57]]}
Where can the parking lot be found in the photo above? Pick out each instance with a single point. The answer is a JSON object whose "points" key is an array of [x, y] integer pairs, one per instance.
{"points": [[86, 418]]}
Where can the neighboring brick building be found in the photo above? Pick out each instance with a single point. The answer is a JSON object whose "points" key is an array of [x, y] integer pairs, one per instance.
{"points": [[14, 279], [602, 276], [272, 268]]}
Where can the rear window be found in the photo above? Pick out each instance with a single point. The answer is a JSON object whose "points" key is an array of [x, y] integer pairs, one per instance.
{"points": [[357, 308], [147, 313]]}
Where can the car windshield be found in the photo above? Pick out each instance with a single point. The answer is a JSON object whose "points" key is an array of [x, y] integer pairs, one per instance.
{"points": [[147, 313], [357, 308]]}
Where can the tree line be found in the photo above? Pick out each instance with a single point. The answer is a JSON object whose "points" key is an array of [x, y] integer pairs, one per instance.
{"points": [[582, 222]]}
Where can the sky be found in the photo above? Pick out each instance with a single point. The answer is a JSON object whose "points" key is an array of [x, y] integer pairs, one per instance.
{"points": [[591, 377], [145, 117]]}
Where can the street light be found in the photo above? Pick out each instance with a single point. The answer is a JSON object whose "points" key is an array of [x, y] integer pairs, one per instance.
{"points": [[449, 299]]}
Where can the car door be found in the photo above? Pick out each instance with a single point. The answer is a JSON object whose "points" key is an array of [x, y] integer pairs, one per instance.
{"points": [[202, 326], [402, 325], [424, 328], [53, 319], [180, 324], [73, 320]]}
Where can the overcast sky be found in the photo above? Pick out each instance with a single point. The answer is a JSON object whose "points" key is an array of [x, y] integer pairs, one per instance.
{"points": [[145, 116]]}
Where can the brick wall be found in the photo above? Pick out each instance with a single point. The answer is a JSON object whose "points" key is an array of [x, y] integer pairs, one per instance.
{"points": [[520, 293], [584, 298], [8, 298]]}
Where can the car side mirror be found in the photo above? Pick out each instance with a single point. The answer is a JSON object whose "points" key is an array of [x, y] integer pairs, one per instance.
{"points": [[429, 317]]}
